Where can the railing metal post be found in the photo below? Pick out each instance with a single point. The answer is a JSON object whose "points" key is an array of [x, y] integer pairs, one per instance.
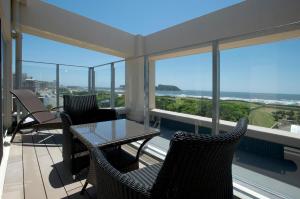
{"points": [[216, 87], [146, 91], [90, 80], [112, 85], [93, 80], [18, 72], [57, 85]]}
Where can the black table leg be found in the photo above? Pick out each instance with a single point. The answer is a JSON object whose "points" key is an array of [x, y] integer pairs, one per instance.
{"points": [[141, 147]]}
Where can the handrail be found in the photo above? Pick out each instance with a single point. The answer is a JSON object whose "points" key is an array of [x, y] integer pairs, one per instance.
{"points": [[50, 63], [278, 28]]}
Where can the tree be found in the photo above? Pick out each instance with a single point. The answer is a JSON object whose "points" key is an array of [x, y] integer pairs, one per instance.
{"points": [[298, 117], [290, 115]]}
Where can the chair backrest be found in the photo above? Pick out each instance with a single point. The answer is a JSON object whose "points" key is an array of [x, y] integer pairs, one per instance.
{"points": [[199, 166], [32, 103], [80, 107]]}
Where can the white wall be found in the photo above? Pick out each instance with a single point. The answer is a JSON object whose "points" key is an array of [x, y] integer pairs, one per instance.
{"points": [[5, 13], [45, 20], [246, 17]]}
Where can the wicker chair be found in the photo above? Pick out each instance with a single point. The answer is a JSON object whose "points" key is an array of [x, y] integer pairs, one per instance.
{"points": [[81, 110], [196, 166]]}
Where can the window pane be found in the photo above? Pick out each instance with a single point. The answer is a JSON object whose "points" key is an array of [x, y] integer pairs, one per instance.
{"points": [[261, 83], [184, 84]]}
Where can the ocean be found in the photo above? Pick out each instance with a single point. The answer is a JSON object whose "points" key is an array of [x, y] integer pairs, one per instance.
{"points": [[267, 98]]}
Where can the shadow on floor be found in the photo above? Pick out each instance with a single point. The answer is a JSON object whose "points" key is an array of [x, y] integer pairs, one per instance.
{"points": [[65, 175], [90, 193], [41, 139]]}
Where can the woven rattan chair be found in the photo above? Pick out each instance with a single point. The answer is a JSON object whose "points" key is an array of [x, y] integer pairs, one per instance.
{"points": [[196, 166], [81, 110], [42, 117]]}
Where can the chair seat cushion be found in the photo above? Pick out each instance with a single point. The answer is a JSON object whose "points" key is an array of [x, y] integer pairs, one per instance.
{"points": [[147, 175], [121, 160]]}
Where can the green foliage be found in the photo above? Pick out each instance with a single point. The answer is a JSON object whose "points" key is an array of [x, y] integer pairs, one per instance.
{"points": [[185, 105], [120, 101], [233, 111], [298, 117], [202, 107], [64, 91], [103, 99], [80, 93], [278, 115], [290, 115], [260, 117]]}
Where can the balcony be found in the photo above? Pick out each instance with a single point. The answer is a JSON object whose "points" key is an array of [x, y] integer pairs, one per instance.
{"points": [[258, 41], [35, 169]]}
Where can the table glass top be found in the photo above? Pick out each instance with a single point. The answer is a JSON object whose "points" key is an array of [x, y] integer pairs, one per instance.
{"points": [[105, 133]]}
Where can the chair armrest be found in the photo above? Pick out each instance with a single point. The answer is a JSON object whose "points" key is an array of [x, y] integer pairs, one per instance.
{"points": [[114, 184], [57, 107], [66, 119]]}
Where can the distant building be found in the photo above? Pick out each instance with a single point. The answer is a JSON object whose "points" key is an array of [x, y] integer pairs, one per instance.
{"points": [[46, 85], [30, 84]]}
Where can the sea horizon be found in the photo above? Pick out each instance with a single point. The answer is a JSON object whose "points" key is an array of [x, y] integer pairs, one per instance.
{"points": [[266, 98]]}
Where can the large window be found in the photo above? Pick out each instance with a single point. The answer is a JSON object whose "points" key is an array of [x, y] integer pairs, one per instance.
{"points": [[262, 82], [184, 84]]}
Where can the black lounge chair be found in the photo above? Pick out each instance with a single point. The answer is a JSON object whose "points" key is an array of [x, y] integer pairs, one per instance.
{"points": [[81, 110], [196, 166], [42, 117]]}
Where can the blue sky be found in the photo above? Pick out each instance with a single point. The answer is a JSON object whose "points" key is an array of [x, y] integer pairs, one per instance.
{"points": [[271, 68], [265, 68]]}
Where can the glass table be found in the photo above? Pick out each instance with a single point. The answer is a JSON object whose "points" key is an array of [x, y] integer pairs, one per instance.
{"points": [[112, 133]]}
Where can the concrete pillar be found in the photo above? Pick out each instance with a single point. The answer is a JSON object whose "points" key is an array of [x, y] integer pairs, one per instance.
{"points": [[151, 84], [134, 81], [134, 97], [18, 77], [7, 84]]}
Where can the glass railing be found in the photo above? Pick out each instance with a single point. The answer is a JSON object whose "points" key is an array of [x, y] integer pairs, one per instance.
{"points": [[103, 85], [73, 81], [41, 79], [119, 84], [50, 81]]}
